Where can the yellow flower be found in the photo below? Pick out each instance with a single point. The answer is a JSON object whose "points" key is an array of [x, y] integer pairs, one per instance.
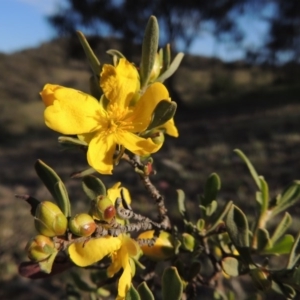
{"points": [[120, 259], [112, 121], [119, 248], [163, 247]]}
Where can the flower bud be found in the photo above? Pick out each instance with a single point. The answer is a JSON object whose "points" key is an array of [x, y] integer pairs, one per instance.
{"points": [[40, 248], [82, 225], [49, 219], [163, 247], [104, 209]]}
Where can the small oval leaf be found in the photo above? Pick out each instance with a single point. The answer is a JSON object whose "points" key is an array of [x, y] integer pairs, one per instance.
{"points": [[231, 266], [93, 186], [145, 292], [172, 279], [212, 186], [50, 180], [163, 112], [132, 294]]}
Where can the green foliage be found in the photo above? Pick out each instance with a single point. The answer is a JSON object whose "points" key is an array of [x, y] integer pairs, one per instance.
{"points": [[55, 186], [93, 186], [149, 50], [92, 58], [172, 286], [163, 112]]}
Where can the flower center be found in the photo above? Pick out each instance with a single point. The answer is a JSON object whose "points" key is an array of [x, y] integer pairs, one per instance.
{"points": [[117, 119]]}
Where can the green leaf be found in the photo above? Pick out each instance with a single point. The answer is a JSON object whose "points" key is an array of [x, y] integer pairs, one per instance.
{"points": [[289, 197], [102, 292], [46, 265], [263, 239], [116, 53], [264, 195], [149, 50], [283, 246], [237, 227], [296, 277], [283, 289], [81, 284], [238, 231], [83, 173], [211, 208], [92, 58], [70, 142], [231, 266], [181, 202], [62, 199], [260, 279], [220, 217], [163, 112], [54, 185], [172, 286], [294, 254], [281, 228], [95, 89], [194, 270], [212, 186], [188, 242], [145, 292], [250, 167], [200, 224], [99, 276], [172, 68], [132, 294], [165, 58], [93, 186]]}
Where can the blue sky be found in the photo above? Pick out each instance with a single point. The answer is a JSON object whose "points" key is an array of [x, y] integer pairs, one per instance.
{"points": [[23, 25]]}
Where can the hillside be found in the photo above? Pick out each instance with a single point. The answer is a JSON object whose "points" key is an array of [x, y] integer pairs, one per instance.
{"points": [[227, 106]]}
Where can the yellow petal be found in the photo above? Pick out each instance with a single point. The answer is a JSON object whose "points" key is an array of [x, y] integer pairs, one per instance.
{"points": [[69, 111], [85, 254], [86, 137], [120, 83], [132, 247], [142, 112], [115, 192], [124, 281], [170, 128], [163, 247], [100, 152], [115, 266], [136, 144]]}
